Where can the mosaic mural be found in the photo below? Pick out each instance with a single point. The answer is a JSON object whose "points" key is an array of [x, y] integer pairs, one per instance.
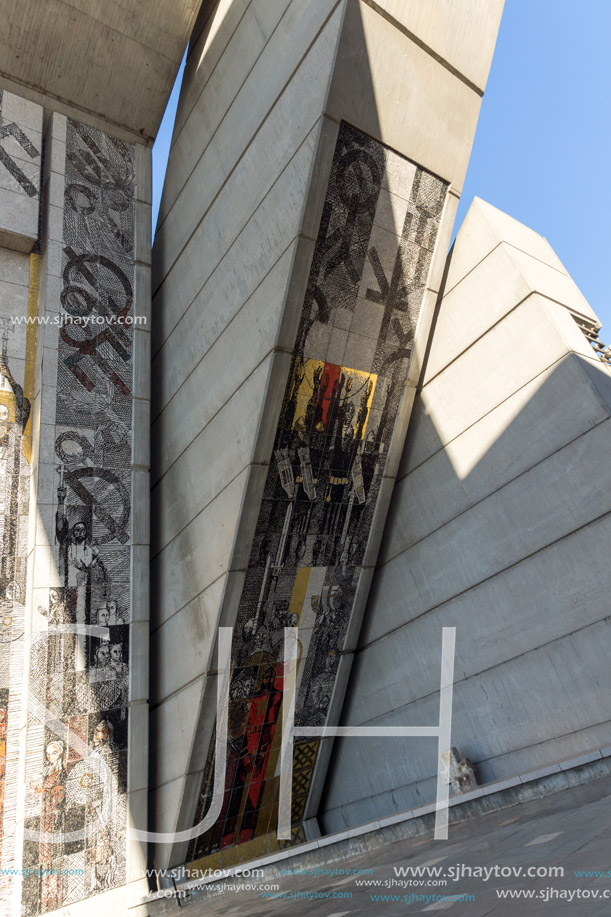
{"points": [[15, 453], [76, 764], [20, 164], [371, 261]]}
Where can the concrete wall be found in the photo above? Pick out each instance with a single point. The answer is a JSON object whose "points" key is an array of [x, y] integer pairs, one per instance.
{"points": [[499, 526], [265, 89]]}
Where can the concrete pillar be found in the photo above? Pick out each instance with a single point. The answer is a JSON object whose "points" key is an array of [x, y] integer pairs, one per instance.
{"points": [[318, 158], [76, 675]]}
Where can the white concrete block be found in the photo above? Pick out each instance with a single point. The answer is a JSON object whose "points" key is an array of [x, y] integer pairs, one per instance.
{"points": [[138, 731], [19, 224], [141, 364], [463, 37], [138, 661], [143, 168], [27, 114], [140, 527], [139, 582], [482, 230]]}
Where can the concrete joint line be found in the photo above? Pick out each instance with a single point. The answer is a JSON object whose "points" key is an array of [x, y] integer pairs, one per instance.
{"points": [[490, 328], [444, 446], [200, 511], [483, 671], [217, 339], [234, 242], [261, 123], [157, 627], [156, 705], [517, 477], [424, 47], [216, 413], [517, 249], [202, 90], [563, 735], [488, 578]]}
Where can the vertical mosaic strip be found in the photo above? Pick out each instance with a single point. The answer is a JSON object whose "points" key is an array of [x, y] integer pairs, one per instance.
{"points": [[372, 257], [75, 806], [17, 365]]}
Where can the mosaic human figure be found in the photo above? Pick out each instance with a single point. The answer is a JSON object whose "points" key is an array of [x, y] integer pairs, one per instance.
{"points": [[80, 567], [52, 789]]}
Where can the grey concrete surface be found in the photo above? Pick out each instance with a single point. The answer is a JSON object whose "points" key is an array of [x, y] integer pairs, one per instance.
{"points": [[567, 831], [116, 61]]}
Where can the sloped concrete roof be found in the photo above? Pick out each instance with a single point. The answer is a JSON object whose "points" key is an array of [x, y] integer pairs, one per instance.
{"points": [[116, 59]]}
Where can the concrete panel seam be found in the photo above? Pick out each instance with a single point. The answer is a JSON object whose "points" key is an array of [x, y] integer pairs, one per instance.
{"points": [[193, 47], [517, 249], [273, 349], [237, 92], [260, 125], [528, 382], [490, 328], [200, 511], [157, 627], [467, 509], [496, 573], [480, 672], [157, 705], [235, 241], [216, 413], [424, 47]]}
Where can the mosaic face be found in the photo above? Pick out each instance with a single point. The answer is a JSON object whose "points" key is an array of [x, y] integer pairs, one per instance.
{"points": [[370, 265]]}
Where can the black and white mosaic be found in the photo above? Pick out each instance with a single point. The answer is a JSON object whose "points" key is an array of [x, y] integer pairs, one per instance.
{"points": [[77, 734]]}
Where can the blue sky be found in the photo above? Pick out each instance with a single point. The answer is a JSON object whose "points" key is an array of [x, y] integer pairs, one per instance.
{"points": [[541, 152]]}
